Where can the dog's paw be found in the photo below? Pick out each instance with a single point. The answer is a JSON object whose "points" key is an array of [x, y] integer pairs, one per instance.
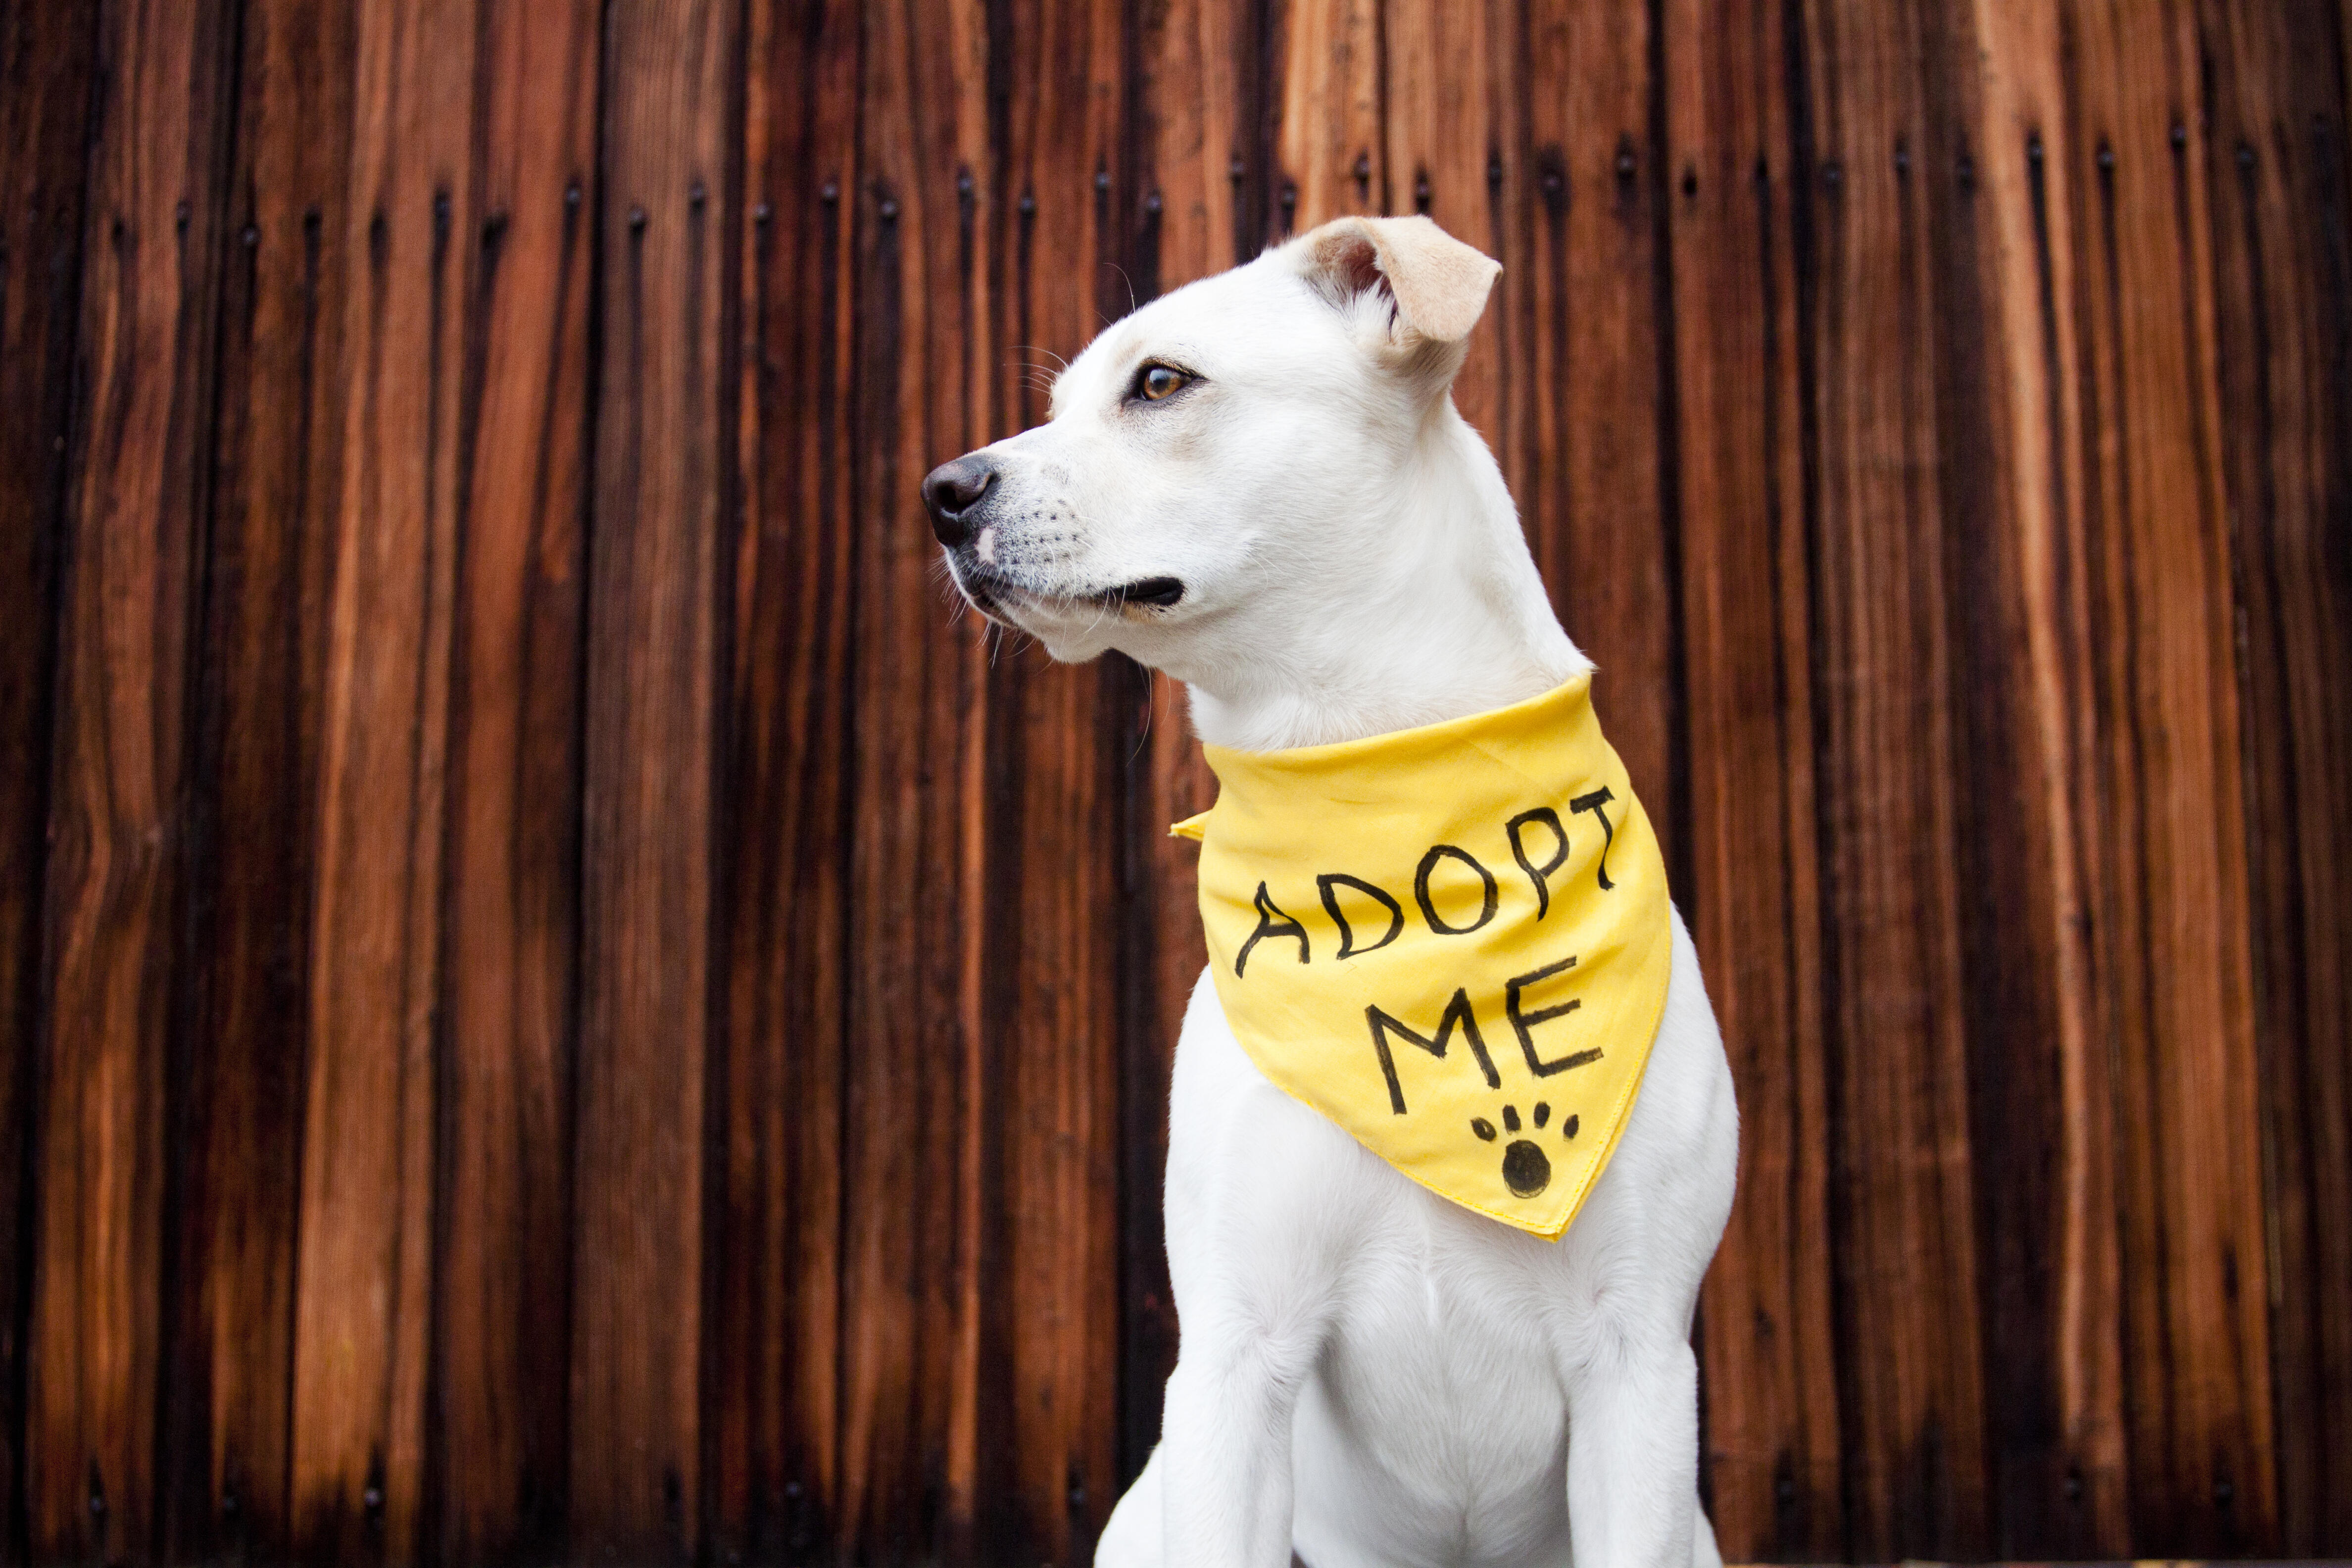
{"points": [[1527, 1169]]}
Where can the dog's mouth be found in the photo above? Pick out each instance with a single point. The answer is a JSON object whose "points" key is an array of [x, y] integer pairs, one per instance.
{"points": [[1157, 593], [999, 594], [981, 599]]}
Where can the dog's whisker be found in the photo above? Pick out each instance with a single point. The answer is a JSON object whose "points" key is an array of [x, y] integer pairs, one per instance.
{"points": [[1123, 278], [1151, 711]]}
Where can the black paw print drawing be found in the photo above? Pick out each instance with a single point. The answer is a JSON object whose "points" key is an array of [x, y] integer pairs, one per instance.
{"points": [[1527, 1169]]}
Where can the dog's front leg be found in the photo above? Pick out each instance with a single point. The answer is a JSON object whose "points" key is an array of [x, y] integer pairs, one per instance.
{"points": [[1225, 1448], [1633, 1454]]}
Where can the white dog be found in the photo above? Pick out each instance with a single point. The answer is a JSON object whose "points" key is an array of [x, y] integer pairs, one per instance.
{"points": [[1259, 484]]}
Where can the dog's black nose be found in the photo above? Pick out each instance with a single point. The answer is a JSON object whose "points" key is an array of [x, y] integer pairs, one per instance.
{"points": [[951, 490]]}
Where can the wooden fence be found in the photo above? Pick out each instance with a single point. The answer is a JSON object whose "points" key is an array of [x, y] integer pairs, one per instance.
{"points": [[556, 999]]}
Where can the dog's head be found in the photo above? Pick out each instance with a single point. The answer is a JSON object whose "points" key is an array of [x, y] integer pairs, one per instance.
{"points": [[1230, 459]]}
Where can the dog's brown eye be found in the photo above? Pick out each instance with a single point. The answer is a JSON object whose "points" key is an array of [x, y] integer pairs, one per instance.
{"points": [[1158, 381]]}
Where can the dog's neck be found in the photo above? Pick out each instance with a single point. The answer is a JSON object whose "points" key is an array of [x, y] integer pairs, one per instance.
{"points": [[1455, 624]]}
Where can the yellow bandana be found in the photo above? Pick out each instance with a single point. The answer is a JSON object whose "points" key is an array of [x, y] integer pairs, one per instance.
{"points": [[1452, 941]]}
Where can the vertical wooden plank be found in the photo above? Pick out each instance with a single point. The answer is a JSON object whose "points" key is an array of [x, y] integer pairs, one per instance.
{"points": [[772, 1404], [498, 1399], [127, 622], [363, 1279], [1187, 95], [1911, 1414], [2282, 257], [1753, 896], [1527, 194], [967, 1308], [1590, 491], [47, 65], [1167, 949], [1193, 122], [1442, 139], [226, 1451], [1610, 560], [922, 1307], [1333, 150], [2174, 948], [1055, 849], [655, 684], [1538, 310], [2041, 1116]]}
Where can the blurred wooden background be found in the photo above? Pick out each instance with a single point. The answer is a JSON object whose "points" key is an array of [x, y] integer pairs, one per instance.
{"points": [[557, 1000]]}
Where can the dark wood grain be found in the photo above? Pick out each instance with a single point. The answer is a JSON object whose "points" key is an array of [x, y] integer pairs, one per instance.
{"points": [[497, 1399], [922, 1353], [962, 227], [2040, 1120], [1753, 898], [1331, 154], [773, 1403], [127, 651], [1192, 121], [2283, 281], [557, 996], [1167, 959], [1591, 494], [1911, 1372], [226, 1438], [1059, 741], [1191, 112], [656, 693], [1527, 194], [48, 59], [1444, 143], [2175, 948], [365, 1276]]}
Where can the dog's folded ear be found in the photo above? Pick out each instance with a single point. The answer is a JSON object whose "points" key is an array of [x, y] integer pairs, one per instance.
{"points": [[1436, 285]]}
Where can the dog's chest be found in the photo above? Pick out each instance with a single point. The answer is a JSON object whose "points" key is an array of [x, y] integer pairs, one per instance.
{"points": [[1438, 1395], [1437, 1297]]}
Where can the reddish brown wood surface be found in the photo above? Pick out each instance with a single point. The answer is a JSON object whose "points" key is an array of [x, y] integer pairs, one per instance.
{"points": [[556, 999], [1887, 789], [921, 1106], [1753, 898], [227, 1452], [1052, 881], [2041, 1122], [365, 1276], [2283, 285], [776, 1317], [1589, 280], [1195, 53], [46, 59], [496, 1404], [662, 498], [118, 826], [2176, 940]]}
